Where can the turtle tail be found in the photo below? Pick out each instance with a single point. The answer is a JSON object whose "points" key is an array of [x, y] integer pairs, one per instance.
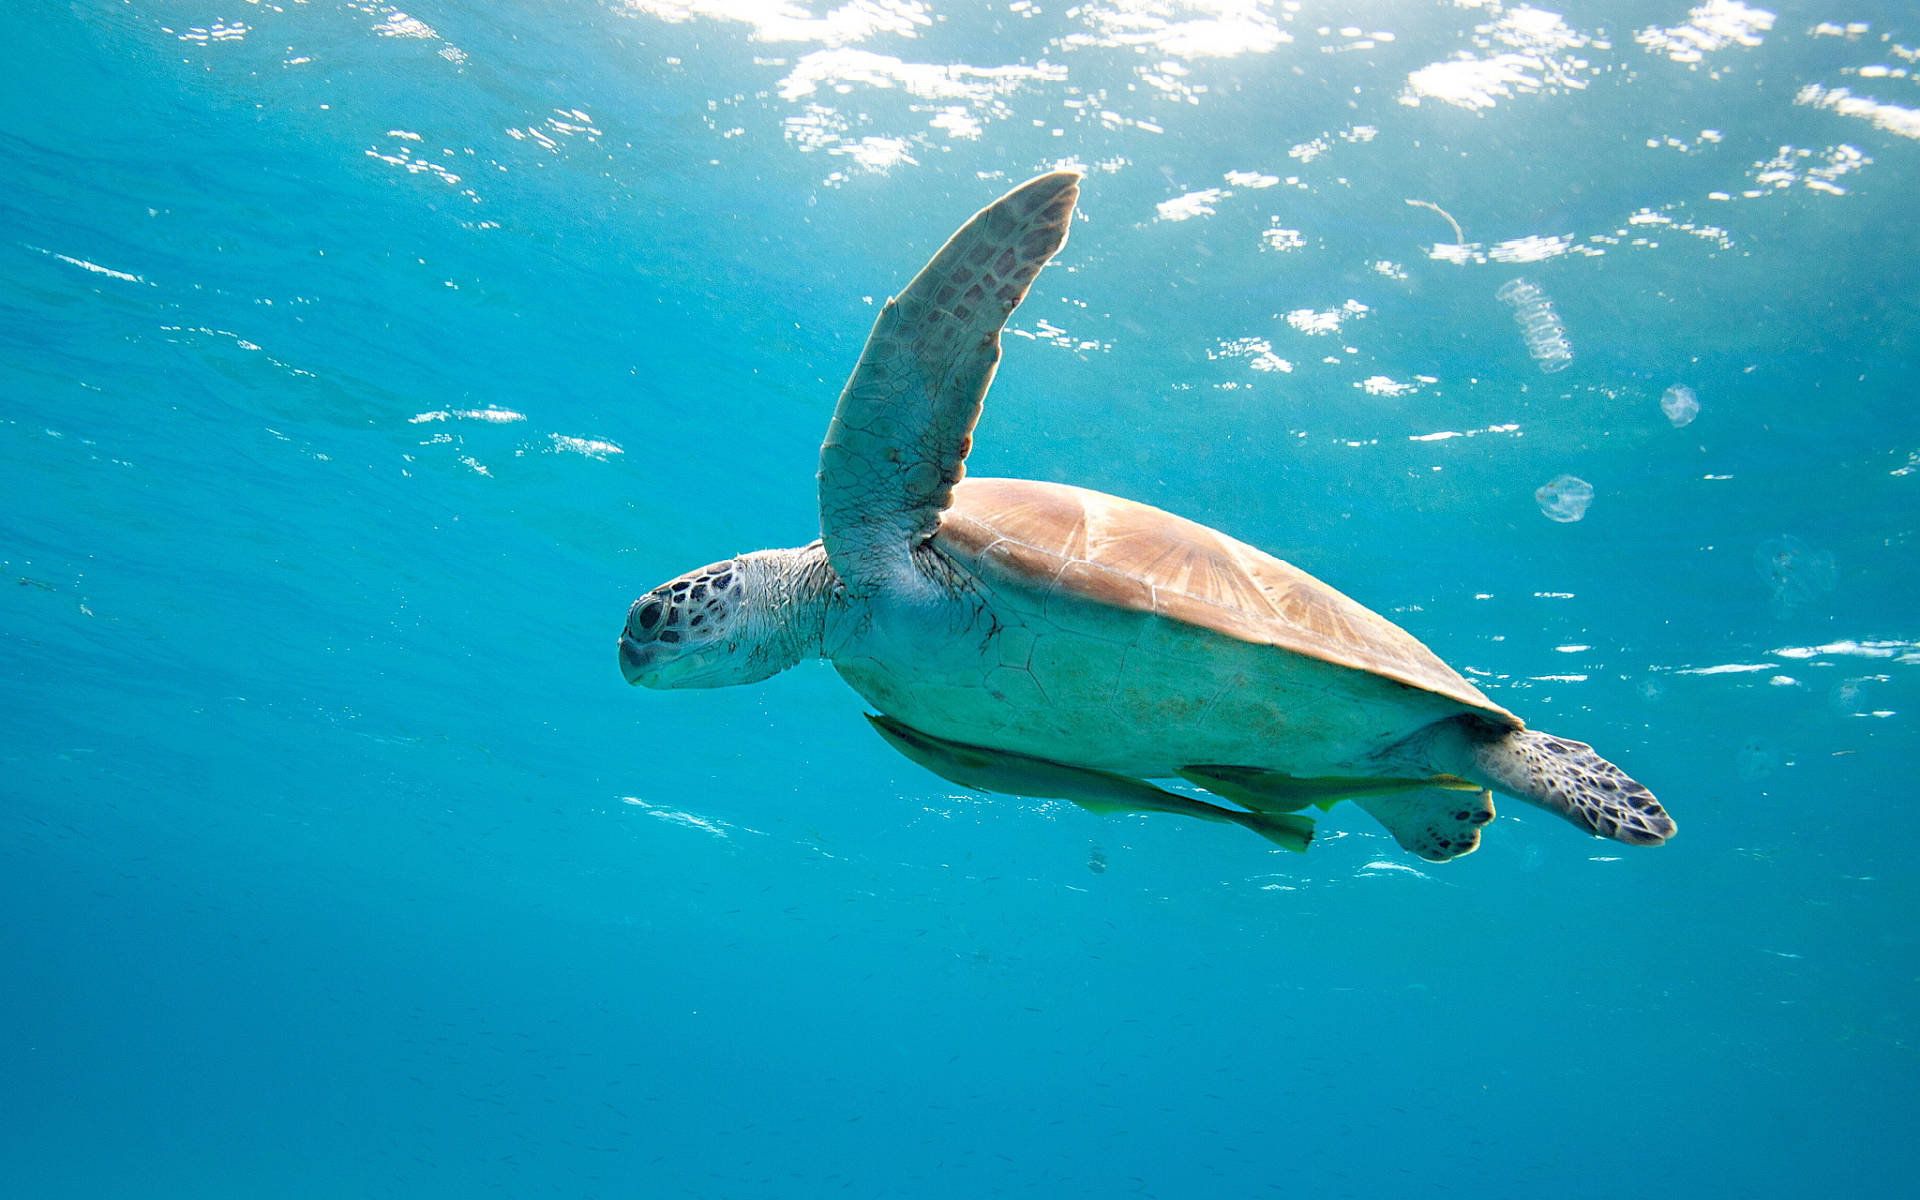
{"points": [[1568, 778]]}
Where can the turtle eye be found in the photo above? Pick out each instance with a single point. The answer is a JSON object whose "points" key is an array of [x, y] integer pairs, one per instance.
{"points": [[649, 615]]}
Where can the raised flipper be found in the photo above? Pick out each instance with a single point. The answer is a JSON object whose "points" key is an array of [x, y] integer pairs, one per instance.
{"points": [[1435, 825], [981, 769], [899, 438], [1275, 791]]}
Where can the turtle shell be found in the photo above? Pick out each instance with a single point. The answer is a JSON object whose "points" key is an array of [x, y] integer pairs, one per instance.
{"points": [[1134, 557]]}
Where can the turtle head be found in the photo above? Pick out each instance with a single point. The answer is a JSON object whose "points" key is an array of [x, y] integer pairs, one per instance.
{"points": [[739, 620]]}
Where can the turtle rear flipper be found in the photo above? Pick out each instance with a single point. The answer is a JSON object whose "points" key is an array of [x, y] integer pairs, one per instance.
{"points": [[1567, 778], [1436, 825], [1430, 816]]}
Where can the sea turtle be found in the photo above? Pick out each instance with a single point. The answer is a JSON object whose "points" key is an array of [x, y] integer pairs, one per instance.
{"points": [[1047, 640]]}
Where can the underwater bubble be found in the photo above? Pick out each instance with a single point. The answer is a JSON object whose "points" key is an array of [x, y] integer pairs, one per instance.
{"points": [[1564, 498], [1794, 572], [1680, 405]]}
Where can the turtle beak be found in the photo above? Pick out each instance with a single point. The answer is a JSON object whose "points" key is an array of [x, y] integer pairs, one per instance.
{"points": [[636, 660]]}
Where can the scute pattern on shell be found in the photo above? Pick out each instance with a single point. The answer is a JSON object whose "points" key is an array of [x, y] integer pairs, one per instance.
{"points": [[1137, 558]]}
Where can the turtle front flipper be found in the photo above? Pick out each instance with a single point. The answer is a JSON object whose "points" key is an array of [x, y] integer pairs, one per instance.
{"points": [[899, 438], [979, 768]]}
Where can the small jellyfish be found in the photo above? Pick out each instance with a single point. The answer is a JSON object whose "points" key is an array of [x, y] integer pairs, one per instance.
{"points": [[1680, 405], [1757, 758], [1795, 573], [1564, 498], [1517, 291], [1540, 327], [1850, 697]]}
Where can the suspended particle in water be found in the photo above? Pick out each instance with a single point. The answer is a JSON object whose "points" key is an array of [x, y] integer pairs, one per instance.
{"points": [[1459, 239], [1794, 572], [1564, 498], [1540, 326], [1680, 405]]}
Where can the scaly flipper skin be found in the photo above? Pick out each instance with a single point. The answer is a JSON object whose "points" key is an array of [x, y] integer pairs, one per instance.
{"points": [[1436, 826], [1568, 778], [899, 438]]}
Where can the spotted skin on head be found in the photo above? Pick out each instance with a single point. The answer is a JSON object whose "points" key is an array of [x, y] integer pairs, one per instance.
{"points": [[677, 632], [678, 610]]}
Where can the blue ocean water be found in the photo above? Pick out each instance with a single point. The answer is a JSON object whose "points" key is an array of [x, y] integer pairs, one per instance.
{"points": [[359, 366]]}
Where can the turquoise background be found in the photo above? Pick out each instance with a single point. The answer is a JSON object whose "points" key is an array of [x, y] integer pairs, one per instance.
{"points": [[359, 367]]}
